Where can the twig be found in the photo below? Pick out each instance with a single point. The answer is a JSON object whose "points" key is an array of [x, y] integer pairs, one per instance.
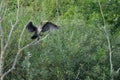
{"points": [[2, 40], [19, 42], [41, 39], [2, 51], [34, 42], [1, 5], [28, 44], [9, 36], [118, 70], [78, 73]]}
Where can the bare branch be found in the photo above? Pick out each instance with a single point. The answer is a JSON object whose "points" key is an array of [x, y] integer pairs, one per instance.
{"points": [[118, 70], [13, 66], [16, 57], [28, 44], [17, 12], [1, 5], [2, 51], [2, 40], [2, 10], [1, 30], [34, 42], [40, 39], [78, 73], [9, 36], [19, 43], [108, 41], [19, 50]]}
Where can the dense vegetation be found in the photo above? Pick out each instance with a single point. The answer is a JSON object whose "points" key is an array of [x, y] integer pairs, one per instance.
{"points": [[78, 51]]}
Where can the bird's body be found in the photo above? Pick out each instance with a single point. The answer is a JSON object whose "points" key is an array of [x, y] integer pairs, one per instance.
{"points": [[42, 28]]}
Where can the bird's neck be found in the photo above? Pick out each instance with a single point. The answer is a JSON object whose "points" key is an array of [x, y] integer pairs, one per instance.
{"points": [[39, 29]]}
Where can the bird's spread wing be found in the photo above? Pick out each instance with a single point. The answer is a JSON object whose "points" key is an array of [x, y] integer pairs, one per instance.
{"points": [[48, 25], [30, 27]]}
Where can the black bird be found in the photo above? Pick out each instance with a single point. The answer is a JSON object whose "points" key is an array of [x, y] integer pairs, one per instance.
{"points": [[42, 28]]}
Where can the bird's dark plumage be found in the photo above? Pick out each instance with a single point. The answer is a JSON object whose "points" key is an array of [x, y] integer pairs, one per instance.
{"points": [[49, 26], [43, 28], [30, 27]]}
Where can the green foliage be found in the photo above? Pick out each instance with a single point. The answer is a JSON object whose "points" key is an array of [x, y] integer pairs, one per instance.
{"points": [[77, 51]]}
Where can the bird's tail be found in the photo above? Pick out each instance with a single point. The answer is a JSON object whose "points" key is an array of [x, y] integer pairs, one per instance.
{"points": [[35, 36]]}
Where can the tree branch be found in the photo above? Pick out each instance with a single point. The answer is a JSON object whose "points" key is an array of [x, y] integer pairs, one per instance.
{"points": [[34, 42], [19, 50], [108, 41], [19, 42], [2, 40], [2, 51], [118, 70], [9, 36]]}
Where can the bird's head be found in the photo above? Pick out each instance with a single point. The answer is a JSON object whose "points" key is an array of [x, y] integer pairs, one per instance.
{"points": [[43, 22]]}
